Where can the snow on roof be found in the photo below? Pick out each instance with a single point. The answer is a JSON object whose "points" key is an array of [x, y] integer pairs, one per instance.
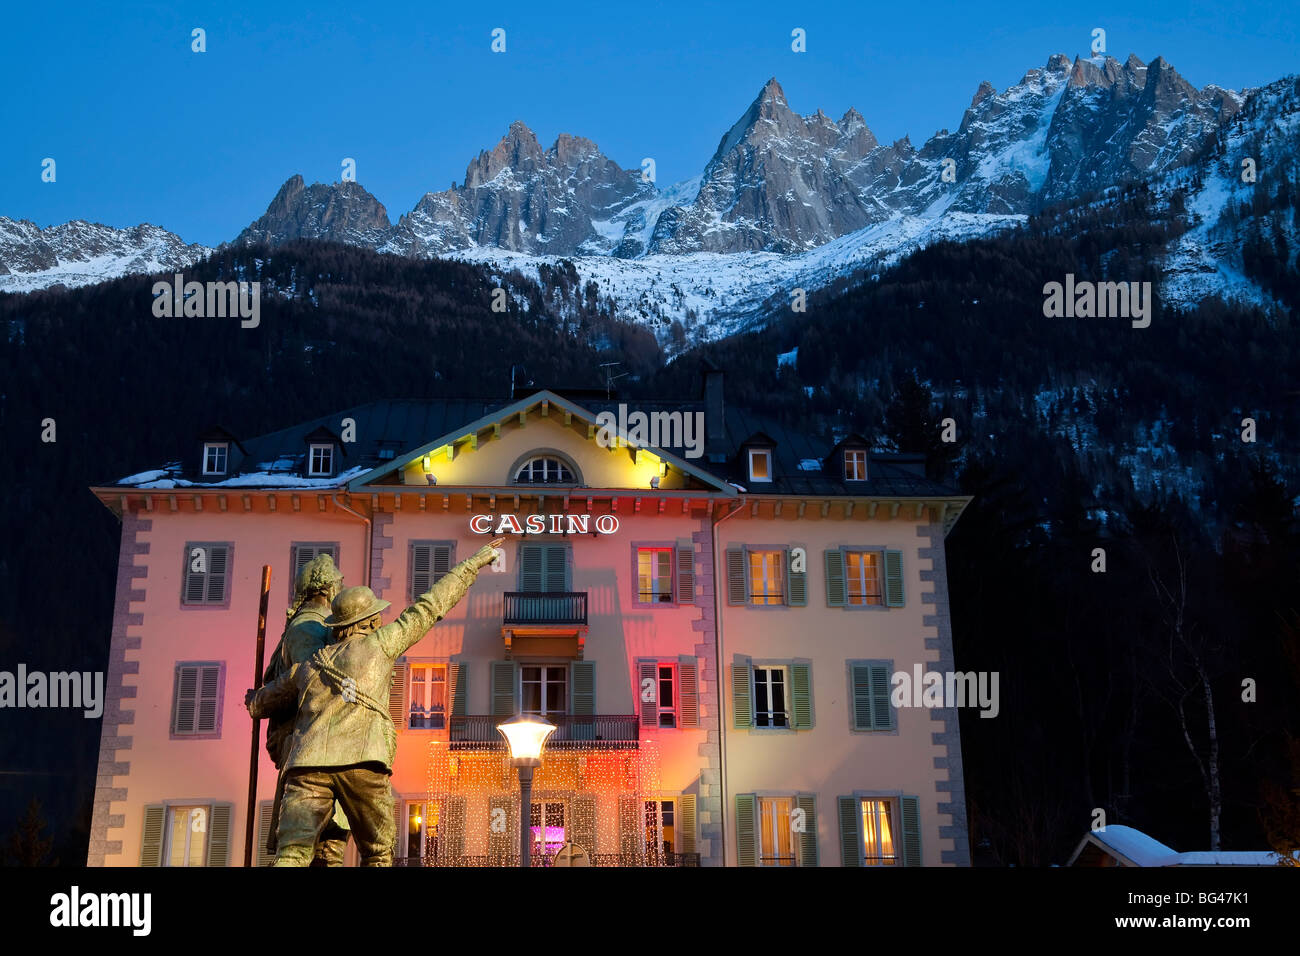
{"points": [[809, 464], [257, 479], [1227, 858], [1135, 845]]}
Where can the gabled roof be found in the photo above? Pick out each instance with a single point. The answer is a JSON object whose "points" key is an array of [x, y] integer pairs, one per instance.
{"points": [[1131, 847]]}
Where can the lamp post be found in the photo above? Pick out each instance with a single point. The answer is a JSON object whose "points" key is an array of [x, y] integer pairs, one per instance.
{"points": [[525, 736]]}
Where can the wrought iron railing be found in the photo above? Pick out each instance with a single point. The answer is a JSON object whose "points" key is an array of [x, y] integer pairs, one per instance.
{"points": [[572, 731], [546, 607], [543, 860]]}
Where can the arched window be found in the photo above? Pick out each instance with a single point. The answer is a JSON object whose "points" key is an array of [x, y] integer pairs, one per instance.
{"points": [[545, 470]]}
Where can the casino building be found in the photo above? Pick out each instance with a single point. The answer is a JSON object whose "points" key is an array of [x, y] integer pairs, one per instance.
{"points": [[711, 625]]}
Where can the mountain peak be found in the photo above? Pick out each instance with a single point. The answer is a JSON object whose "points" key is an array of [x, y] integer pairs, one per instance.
{"points": [[984, 92]]}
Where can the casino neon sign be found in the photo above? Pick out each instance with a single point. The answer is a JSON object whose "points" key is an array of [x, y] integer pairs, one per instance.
{"points": [[539, 524]]}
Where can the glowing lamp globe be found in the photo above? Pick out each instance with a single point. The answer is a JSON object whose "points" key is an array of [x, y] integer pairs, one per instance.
{"points": [[526, 736]]}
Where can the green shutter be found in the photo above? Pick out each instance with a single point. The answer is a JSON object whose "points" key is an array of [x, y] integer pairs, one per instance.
{"points": [[530, 567], [420, 576], [742, 696], [808, 839], [796, 584], [648, 709], [503, 689], [195, 581], [835, 593], [218, 567], [556, 568], [151, 837], [882, 709], [685, 824], [441, 561], [911, 831], [893, 578], [746, 829], [736, 593], [264, 857], [219, 834], [584, 822], [208, 701], [850, 841], [184, 702], [685, 572], [582, 679], [458, 674], [688, 693], [801, 695], [397, 706]]}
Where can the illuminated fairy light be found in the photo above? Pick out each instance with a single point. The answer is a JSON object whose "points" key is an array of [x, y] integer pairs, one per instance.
{"points": [[586, 793]]}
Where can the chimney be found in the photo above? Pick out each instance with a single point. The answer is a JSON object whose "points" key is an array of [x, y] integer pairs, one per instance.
{"points": [[715, 425]]}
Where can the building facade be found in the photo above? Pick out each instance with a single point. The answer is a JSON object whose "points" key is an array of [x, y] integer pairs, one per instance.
{"points": [[707, 606]]}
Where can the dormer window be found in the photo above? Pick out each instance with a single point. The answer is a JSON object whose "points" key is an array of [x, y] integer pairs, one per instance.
{"points": [[855, 464], [215, 456], [545, 470], [760, 464], [320, 460]]}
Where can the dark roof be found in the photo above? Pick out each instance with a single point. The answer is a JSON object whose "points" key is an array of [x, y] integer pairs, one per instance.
{"points": [[403, 426]]}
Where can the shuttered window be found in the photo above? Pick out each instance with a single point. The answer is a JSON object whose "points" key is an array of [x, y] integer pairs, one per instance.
{"points": [[665, 574], [772, 695], [880, 831], [543, 567], [684, 827], [261, 856], [186, 835], [429, 561], [206, 574], [196, 698], [300, 552], [870, 686], [765, 576], [864, 577], [501, 692]]}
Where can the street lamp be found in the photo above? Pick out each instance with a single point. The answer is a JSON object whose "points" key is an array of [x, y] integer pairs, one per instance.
{"points": [[525, 737]]}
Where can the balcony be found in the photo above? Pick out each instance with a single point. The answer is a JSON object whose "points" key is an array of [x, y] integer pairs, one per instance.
{"points": [[572, 732], [545, 608]]}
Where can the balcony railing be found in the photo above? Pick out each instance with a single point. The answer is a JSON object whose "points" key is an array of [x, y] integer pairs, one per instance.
{"points": [[597, 859], [572, 731], [566, 608]]}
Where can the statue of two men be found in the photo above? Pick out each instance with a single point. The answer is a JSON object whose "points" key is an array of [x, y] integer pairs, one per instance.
{"points": [[343, 740]]}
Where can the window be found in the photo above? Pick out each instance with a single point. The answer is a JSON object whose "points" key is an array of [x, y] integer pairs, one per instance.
{"points": [[667, 697], [654, 575], [196, 699], [770, 708], [320, 460], [760, 464], [215, 454], [187, 836], [668, 692], [550, 814], [878, 833], [766, 577], [545, 470], [855, 464], [660, 828], [428, 561], [544, 689], [428, 702], [544, 567], [207, 573], [869, 684], [862, 576], [421, 832], [776, 843]]}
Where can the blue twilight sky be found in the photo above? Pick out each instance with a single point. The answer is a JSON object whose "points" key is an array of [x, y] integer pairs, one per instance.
{"points": [[144, 130]]}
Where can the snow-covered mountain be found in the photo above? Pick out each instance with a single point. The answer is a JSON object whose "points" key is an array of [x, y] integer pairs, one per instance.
{"points": [[81, 253], [785, 201]]}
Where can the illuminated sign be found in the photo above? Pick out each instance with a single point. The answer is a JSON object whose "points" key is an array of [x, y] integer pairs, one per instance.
{"points": [[543, 524]]}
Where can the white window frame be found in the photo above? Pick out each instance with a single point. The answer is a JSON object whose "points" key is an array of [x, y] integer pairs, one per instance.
{"points": [[861, 579], [893, 806], [211, 447], [407, 807], [327, 455], [771, 714], [766, 455], [544, 668], [655, 806], [544, 802], [759, 824], [657, 598], [169, 820], [427, 688], [671, 711], [858, 456], [547, 463]]}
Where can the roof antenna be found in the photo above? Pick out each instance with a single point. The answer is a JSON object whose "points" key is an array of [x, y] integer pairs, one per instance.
{"points": [[611, 378]]}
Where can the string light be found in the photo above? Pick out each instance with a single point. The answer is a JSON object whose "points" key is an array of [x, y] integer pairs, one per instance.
{"points": [[601, 793]]}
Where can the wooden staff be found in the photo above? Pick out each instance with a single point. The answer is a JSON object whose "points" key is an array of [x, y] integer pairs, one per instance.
{"points": [[257, 723]]}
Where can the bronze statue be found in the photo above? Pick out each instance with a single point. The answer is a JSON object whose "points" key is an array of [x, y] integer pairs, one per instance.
{"points": [[306, 632], [343, 737]]}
